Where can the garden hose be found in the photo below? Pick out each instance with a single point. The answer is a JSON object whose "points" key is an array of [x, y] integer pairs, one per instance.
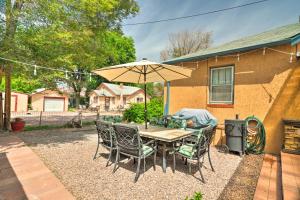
{"points": [[256, 135]]}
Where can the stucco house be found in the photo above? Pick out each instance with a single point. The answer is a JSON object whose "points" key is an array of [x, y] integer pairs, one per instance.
{"points": [[256, 75], [49, 101], [110, 96], [19, 101]]}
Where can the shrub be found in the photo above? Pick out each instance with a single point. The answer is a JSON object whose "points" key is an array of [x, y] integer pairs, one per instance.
{"points": [[112, 118], [135, 113], [197, 196]]}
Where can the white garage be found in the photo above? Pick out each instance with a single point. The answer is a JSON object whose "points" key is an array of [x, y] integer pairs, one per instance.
{"points": [[54, 104], [46, 100]]}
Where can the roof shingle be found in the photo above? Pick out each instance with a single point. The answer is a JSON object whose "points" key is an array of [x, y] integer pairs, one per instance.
{"points": [[127, 90], [277, 36]]}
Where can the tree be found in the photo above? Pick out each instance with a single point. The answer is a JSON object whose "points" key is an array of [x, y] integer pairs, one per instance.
{"points": [[21, 84], [11, 11], [186, 42], [67, 34], [79, 54]]}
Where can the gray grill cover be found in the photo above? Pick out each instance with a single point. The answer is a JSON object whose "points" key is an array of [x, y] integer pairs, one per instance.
{"points": [[200, 117]]}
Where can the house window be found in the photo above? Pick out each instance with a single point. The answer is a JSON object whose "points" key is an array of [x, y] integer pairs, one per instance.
{"points": [[139, 99], [221, 85], [113, 100], [124, 100], [95, 99]]}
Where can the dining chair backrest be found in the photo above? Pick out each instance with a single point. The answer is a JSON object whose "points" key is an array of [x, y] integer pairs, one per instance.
{"points": [[205, 139], [105, 132], [128, 139]]}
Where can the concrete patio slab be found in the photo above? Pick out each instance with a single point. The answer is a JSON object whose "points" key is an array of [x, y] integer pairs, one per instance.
{"points": [[24, 176]]}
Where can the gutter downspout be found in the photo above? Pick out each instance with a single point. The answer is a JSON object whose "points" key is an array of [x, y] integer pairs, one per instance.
{"points": [[167, 105]]}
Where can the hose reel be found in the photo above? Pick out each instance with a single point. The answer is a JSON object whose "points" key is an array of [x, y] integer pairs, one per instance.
{"points": [[256, 135]]}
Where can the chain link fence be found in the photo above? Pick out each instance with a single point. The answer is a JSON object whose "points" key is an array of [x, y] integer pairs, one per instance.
{"points": [[36, 118]]}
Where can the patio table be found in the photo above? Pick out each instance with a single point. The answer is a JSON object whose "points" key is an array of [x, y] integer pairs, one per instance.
{"points": [[165, 136]]}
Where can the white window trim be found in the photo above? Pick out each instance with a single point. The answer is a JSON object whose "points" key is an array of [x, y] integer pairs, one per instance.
{"points": [[211, 85]]}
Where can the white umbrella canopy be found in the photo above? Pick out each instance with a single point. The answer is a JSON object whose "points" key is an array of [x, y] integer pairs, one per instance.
{"points": [[143, 71]]}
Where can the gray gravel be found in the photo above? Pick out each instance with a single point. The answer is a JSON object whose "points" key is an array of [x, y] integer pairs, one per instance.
{"points": [[68, 153]]}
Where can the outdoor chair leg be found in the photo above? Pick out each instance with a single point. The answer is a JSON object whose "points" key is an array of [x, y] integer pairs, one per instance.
{"points": [[137, 170], [212, 168], [185, 162], [133, 160], [190, 168], [200, 166], [174, 162], [109, 157], [154, 161], [96, 150], [117, 160], [144, 165]]}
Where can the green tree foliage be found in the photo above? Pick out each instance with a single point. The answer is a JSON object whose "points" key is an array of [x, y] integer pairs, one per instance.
{"points": [[135, 113], [150, 88], [75, 36], [20, 84]]}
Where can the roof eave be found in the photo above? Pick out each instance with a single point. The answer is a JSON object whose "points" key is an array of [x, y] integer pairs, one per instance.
{"points": [[295, 40], [222, 53]]}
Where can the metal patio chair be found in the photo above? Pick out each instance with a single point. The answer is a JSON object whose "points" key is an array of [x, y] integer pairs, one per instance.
{"points": [[129, 143], [194, 148], [106, 138]]}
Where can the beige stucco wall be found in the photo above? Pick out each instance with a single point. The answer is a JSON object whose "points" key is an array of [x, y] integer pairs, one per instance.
{"points": [[133, 98], [37, 100], [259, 82], [115, 105], [19, 102]]}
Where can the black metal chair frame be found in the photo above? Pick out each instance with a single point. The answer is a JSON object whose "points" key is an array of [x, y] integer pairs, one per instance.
{"points": [[129, 143], [106, 138], [201, 145]]}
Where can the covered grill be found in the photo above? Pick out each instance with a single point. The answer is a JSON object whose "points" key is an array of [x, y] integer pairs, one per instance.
{"points": [[198, 118]]}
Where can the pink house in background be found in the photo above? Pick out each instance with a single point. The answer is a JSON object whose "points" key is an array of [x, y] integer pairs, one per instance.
{"points": [[111, 97], [19, 102]]}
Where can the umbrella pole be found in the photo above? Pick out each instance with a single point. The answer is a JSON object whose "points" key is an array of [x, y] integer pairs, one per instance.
{"points": [[145, 93], [145, 90]]}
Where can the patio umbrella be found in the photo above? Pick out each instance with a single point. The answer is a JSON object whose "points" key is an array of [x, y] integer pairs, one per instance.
{"points": [[143, 72]]}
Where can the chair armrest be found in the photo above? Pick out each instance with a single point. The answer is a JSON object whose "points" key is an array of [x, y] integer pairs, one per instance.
{"points": [[191, 139], [150, 142]]}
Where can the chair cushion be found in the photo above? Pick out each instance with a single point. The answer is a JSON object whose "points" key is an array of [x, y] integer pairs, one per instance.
{"points": [[187, 150], [147, 150]]}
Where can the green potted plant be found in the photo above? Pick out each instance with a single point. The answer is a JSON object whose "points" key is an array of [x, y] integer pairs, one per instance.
{"points": [[17, 124]]}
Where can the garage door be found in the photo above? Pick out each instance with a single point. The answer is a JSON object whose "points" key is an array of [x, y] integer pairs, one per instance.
{"points": [[54, 104]]}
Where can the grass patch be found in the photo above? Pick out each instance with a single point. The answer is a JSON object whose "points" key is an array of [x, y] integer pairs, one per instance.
{"points": [[43, 127], [49, 127], [197, 196]]}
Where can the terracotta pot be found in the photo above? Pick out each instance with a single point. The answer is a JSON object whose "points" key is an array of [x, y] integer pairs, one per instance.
{"points": [[17, 126]]}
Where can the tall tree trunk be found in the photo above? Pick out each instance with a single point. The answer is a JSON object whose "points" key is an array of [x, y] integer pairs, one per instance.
{"points": [[1, 103], [1, 111], [77, 99], [7, 97], [77, 90], [12, 12]]}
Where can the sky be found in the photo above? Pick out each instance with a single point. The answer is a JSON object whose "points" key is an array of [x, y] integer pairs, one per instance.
{"points": [[226, 26]]}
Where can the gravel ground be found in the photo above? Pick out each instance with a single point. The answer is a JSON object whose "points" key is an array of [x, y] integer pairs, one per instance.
{"points": [[68, 153], [243, 183]]}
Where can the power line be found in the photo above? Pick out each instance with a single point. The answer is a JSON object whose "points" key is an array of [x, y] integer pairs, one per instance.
{"points": [[195, 15], [42, 67]]}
